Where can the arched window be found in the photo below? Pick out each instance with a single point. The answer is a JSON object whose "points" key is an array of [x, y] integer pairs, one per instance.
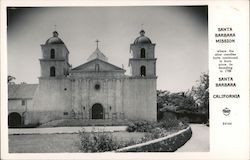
{"points": [[143, 55], [52, 53], [97, 67], [143, 71], [52, 71]]}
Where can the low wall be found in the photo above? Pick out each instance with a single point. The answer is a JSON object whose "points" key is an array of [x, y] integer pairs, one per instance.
{"points": [[165, 144]]}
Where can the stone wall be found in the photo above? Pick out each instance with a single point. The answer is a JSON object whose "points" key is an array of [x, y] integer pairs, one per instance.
{"points": [[121, 98], [165, 144], [85, 95], [140, 99], [15, 105], [52, 97]]}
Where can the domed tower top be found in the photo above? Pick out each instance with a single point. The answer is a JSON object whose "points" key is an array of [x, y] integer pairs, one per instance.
{"points": [[55, 58], [143, 61], [55, 39], [142, 39]]}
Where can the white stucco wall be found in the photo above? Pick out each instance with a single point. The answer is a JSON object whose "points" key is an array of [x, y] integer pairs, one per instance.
{"points": [[15, 105], [148, 63], [84, 95], [61, 52], [51, 100], [140, 99], [135, 97], [149, 50]]}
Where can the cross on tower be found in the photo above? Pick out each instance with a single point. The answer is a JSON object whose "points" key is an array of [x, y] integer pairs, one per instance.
{"points": [[97, 41], [55, 27], [142, 26]]}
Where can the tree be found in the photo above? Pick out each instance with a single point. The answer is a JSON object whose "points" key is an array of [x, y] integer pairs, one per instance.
{"points": [[162, 97], [195, 100], [162, 100], [201, 93]]}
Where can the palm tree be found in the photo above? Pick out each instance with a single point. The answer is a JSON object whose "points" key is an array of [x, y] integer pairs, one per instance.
{"points": [[10, 79]]}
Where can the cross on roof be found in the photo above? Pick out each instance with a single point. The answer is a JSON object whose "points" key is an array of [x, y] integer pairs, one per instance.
{"points": [[97, 41]]}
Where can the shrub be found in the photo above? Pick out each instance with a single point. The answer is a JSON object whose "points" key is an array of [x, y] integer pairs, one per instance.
{"points": [[141, 126], [100, 142], [173, 124], [104, 141], [155, 130], [157, 133], [96, 142], [147, 126], [131, 127], [168, 145]]}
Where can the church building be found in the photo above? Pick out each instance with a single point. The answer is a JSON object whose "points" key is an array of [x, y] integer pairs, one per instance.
{"points": [[95, 90]]}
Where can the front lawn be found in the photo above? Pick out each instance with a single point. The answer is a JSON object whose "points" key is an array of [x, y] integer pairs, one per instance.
{"points": [[56, 143], [137, 132]]}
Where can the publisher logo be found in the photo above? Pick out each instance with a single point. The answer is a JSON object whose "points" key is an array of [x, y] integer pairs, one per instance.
{"points": [[226, 111]]}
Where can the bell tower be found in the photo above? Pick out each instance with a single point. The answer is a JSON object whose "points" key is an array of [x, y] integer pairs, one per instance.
{"points": [[55, 56], [143, 61]]}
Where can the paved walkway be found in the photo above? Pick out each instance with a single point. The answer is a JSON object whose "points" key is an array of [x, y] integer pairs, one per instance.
{"points": [[199, 141], [66, 130]]}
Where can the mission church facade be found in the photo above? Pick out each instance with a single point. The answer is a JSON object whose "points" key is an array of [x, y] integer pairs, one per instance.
{"points": [[93, 90]]}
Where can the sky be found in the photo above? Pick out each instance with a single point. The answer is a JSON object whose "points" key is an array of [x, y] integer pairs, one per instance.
{"points": [[180, 34]]}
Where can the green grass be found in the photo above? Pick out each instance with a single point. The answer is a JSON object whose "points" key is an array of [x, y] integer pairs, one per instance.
{"points": [[55, 143]]}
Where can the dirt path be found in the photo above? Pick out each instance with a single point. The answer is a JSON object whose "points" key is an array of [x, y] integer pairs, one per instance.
{"points": [[199, 141]]}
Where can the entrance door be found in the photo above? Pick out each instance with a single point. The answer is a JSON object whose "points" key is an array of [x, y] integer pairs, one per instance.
{"points": [[97, 111], [14, 120]]}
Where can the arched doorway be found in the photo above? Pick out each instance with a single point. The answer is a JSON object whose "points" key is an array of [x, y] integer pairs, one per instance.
{"points": [[14, 119], [97, 111]]}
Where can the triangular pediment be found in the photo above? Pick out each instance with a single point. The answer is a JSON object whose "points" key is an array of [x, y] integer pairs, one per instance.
{"points": [[97, 65]]}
